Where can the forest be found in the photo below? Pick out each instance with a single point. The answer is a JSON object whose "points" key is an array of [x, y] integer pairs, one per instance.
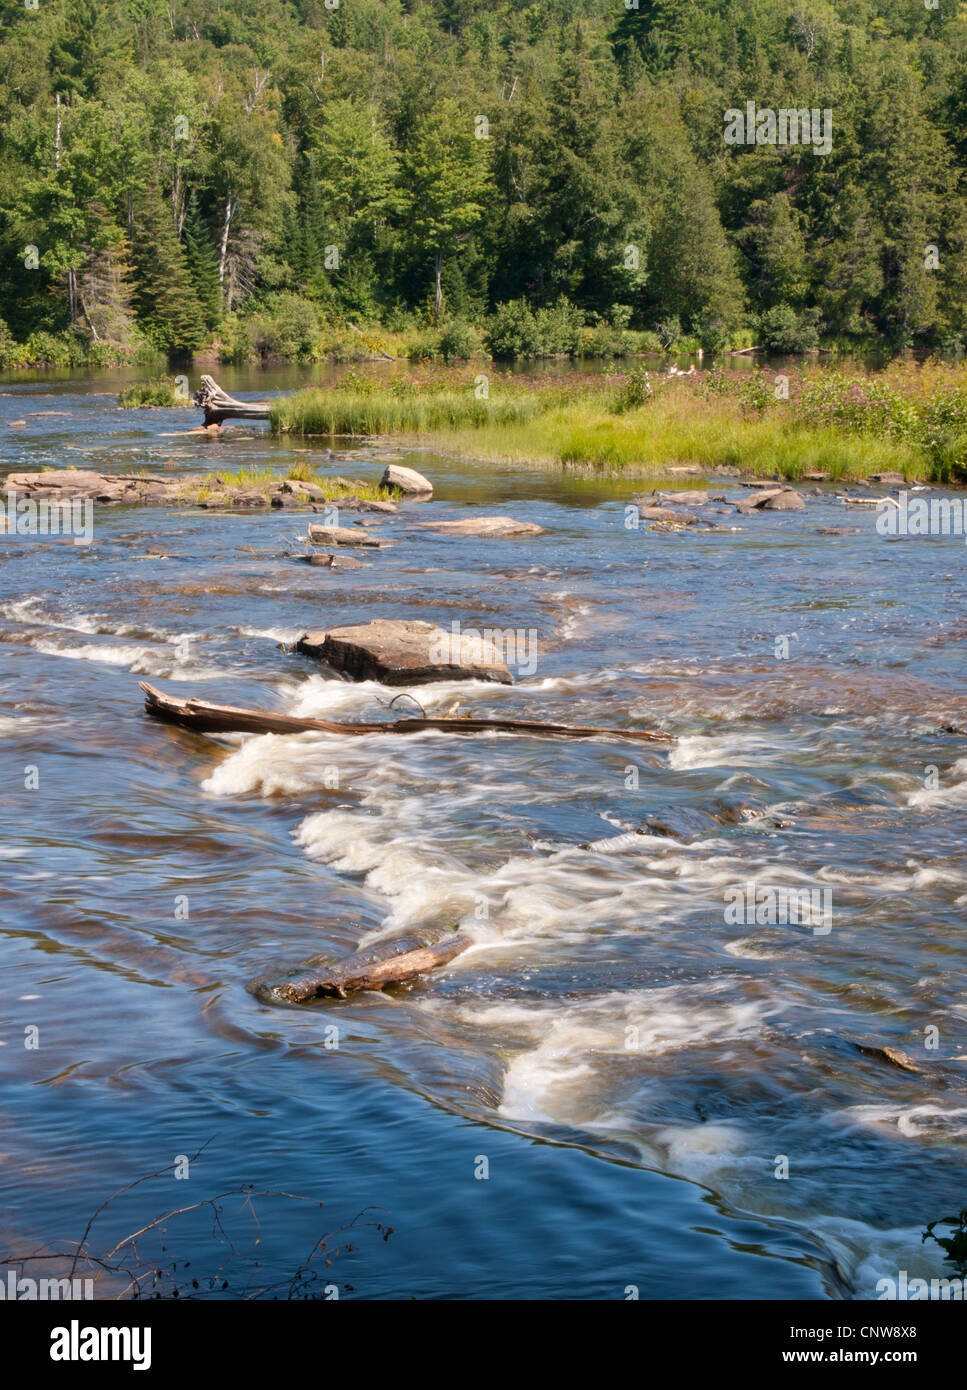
{"points": [[305, 179]]}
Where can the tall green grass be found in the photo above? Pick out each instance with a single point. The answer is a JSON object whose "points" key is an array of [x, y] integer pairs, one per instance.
{"points": [[595, 425], [382, 412]]}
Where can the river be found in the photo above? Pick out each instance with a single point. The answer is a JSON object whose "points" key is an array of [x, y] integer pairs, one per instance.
{"points": [[618, 1090]]}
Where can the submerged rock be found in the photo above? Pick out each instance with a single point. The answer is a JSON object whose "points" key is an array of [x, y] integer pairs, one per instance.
{"points": [[486, 526], [667, 514], [332, 562], [406, 653]]}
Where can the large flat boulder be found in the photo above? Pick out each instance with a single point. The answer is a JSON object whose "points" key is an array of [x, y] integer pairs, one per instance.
{"points": [[408, 481], [64, 482], [406, 653], [485, 526]]}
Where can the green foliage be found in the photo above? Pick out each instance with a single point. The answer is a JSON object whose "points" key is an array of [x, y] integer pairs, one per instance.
{"points": [[636, 390], [161, 392], [905, 419], [457, 341], [782, 329], [513, 332], [180, 171]]}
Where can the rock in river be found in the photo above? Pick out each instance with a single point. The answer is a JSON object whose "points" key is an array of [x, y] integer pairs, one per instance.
{"points": [[408, 481], [486, 526], [406, 653], [648, 513], [344, 535], [777, 499]]}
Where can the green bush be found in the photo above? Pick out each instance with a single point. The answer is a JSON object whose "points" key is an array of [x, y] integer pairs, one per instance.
{"points": [[160, 392], [559, 329], [636, 390], [457, 341], [513, 332], [783, 329]]}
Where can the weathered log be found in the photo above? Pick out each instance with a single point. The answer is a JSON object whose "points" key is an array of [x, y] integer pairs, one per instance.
{"points": [[210, 718], [218, 405], [361, 971]]}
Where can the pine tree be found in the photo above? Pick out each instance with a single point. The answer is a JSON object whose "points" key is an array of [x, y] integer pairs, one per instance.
{"points": [[201, 258], [165, 297]]}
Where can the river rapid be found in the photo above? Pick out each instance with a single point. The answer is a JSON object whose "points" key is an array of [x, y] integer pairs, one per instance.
{"points": [[618, 1088]]}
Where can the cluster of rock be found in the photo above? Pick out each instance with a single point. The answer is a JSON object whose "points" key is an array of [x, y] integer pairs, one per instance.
{"points": [[211, 491], [675, 510]]}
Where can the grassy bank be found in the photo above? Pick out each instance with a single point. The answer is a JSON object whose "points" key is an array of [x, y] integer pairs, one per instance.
{"points": [[912, 419]]}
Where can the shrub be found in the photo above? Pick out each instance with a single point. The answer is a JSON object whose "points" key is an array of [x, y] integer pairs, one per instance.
{"points": [[457, 341], [635, 391], [783, 329], [559, 329], [513, 332], [161, 392]]}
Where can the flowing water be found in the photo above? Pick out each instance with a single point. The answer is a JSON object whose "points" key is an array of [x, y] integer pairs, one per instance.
{"points": [[610, 1087]]}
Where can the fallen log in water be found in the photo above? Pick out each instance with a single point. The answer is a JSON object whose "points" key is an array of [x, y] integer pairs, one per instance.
{"points": [[209, 718], [218, 405], [362, 971]]}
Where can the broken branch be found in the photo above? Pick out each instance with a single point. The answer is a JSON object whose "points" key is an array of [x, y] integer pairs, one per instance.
{"points": [[211, 718]]}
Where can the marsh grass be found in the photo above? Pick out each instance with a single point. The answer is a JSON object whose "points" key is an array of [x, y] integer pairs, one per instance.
{"points": [[162, 391], [910, 419]]}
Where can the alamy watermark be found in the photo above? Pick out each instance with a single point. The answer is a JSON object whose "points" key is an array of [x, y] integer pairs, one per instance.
{"points": [[516, 647], [787, 126], [756, 904], [19, 1289], [42, 516], [904, 1289], [918, 516]]}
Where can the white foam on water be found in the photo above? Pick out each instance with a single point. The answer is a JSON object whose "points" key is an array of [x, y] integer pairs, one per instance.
{"points": [[912, 1121], [16, 724], [948, 793], [917, 878], [867, 1254], [724, 750], [139, 659], [567, 1042], [283, 635], [32, 610]]}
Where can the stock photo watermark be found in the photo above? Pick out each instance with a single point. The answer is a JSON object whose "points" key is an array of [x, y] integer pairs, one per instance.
{"points": [[920, 516], [788, 126], [755, 904], [516, 647], [42, 516]]}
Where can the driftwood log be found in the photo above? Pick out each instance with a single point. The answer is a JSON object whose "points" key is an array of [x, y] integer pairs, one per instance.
{"points": [[218, 405], [212, 719], [362, 971]]}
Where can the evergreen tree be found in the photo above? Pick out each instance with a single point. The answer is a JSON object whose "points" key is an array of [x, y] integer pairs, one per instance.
{"points": [[167, 303]]}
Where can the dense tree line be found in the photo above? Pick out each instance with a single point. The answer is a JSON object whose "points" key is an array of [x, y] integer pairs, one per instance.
{"points": [[172, 170]]}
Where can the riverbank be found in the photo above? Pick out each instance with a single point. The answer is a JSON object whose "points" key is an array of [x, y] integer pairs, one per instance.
{"points": [[907, 419]]}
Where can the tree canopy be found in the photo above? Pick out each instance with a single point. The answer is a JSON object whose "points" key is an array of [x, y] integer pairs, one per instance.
{"points": [[177, 161]]}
